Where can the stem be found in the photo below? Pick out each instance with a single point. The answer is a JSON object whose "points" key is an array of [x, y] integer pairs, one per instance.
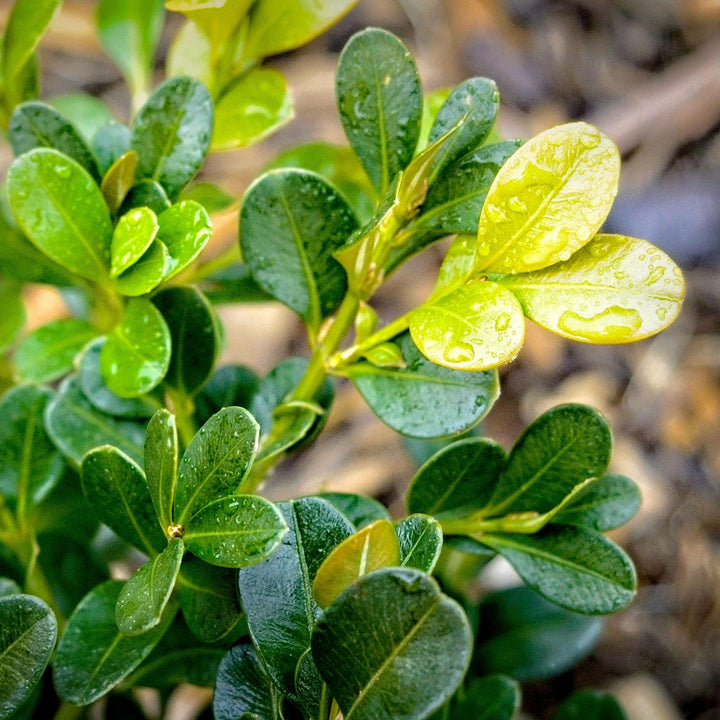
{"points": [[342, 359], [326, 702]]}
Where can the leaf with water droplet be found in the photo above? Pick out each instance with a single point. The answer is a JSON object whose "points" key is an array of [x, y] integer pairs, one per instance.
{"points": [[161, 464], [185, 229], [614, 290], [421, 538], [132, 236], [476, 327], [147, 272], [548, 199], [118, 180]]}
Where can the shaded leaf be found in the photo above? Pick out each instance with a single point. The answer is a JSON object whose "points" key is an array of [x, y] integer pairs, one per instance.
{"points": [[116, 183], [228, 385], [234, 284], [161, 464], [360, 510], [110, 143], [86, 112], [421, 540], [494, 697], [146, 193], [590, 705]]}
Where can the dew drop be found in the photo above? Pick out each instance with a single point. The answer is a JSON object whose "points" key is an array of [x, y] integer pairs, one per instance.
{"points": [[502, 321]]}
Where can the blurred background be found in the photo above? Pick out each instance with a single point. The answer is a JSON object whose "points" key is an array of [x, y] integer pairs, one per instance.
{"points": [[647, 73]]}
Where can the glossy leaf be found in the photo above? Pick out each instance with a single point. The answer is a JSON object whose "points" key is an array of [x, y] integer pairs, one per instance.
{"points": [[474, 102], [110, 143], [228, 385], [524, 636], [220, 22], [171, 133], [375, 546], [291, 222], [421, 540], [27, 638], [215, 461], [425, 400], [276, 595], [256, 105], [93, 655], [30, 466], [605, 505], [243, 688], [144, 597], [234, 284], [86, 112], [235, 531], [208, 599], [48, 353], [476, 327], [457, 479], [309, 685], [456, 267], [191, 54], [614, 290], [212, 197], [380, 103], [575, 568], [185, 229], [133, 235], [146, 193], [548, 200], [118, 492], [194, 336], [136, 355], [37, 125], [360, 510], [493, 697], [62, 211], [557, 452], [392, 645], [161, 464], [76, 426], [590, 705], [147, 273], [117, 181]]}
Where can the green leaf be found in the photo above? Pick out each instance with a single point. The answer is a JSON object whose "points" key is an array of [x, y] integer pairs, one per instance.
{"points": [[392, 645], [243, 688], [604, 505], [129, 31], [161, 463], [118, 180], [276, 595], [208, 599], [280, 25], [614, 290], [432, 102], [37, 125], [62, 211], [27, 638], [309, 686], [48, 353], [30, 466], [494, 697], [477, 327], [548, 200], [256, 105], [291, 222], [118, 492], [557, 452], [147, 273], [375, 546], [235, 531], [191, 54], [185, 229], [93, 655], [101, 396], [420, 539], [380, 103], [524, 636], [8, 587], [456, 267], [457, 479], [171, 133], [195, 337], [229, 385], [212, 197], [110, 143], [85, 112], [216, 461], [575, 568], [144, 597], [474, 102], [360, 510], [13, 317], [590, 705], [233, 284], [146, 193], [425, 400], [136, 355], [76, 426]]}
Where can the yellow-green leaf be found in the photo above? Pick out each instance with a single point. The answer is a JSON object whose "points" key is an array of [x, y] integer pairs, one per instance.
{"points": [[133, 235], [118, 180]]}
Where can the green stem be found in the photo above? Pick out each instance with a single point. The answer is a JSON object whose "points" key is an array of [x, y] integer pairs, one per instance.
{"points": [[66, 711], [184, 409], [326, 702], [225, 259]]}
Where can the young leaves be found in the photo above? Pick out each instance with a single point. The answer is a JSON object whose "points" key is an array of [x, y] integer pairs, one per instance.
{"points": [[132, 236], [185, 230], [420, 538], [161, 463]]}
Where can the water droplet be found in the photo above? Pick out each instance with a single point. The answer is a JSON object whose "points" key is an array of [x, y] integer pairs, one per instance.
{"points": [[655, 275], [502, 321], [611, 325], [661, 312], [517, 205], [460, 352], [619, 275], [62, 171]]}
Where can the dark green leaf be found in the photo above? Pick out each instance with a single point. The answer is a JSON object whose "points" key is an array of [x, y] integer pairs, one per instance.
{"points": [[93, 655], [291, 222], [576, 568], [118, 180], [136, 355], [208, 599], [171, 133], [212, 197], [30, 466], [526, 637], [185, 229], [432, 102], [360, 510], [234, 284], [86, 112], [146, 193], [27, 637], [420, 540], [194, 335], [392, 645], [235, 531], [132, 236], [494, 697], [168, 669], [8, 587], [590, 705], [276, 595], [309, 685], [110, 143], [161, 464], [380, 103], [229, 385], [459, 478], [116, 488], [216, 461], [144, 597], [62, 211], [48, 353], [424, 399], [37, 125]]}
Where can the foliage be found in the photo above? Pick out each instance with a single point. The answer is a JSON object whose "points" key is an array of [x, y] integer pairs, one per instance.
{"points": [[117, 414]]}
